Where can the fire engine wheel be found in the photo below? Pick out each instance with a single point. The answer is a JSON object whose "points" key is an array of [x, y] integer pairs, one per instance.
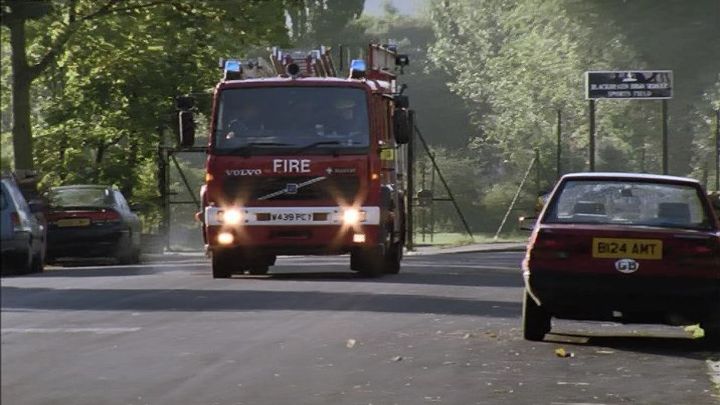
{"points": [[368, 262], [536, 322], [222, 264]]}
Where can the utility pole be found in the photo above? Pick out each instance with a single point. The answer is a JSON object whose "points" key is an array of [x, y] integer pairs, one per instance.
{"points": [[665, 168], [410, 182], [591, 145], [559, 145], [717, 149], [537, 170]]}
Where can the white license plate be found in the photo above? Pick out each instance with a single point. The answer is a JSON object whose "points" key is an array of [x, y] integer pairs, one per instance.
{"points": [[291, 217]]}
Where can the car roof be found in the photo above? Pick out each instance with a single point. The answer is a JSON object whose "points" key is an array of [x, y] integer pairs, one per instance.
{"points": [[628, 176], [81, 186]]}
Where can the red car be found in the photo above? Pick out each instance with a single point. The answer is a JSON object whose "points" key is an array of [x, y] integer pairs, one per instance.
{"points": [[628, 248]]}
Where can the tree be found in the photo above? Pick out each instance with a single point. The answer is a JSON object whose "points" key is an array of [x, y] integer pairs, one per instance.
{"points": [[41, 31], [321, 22], [15, 14]]}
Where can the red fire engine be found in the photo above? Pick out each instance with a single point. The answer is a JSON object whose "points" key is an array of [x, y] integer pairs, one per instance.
{"points": [[302, 162]]}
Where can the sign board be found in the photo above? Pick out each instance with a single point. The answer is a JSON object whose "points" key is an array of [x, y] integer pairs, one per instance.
{"points": [[628, 84]]}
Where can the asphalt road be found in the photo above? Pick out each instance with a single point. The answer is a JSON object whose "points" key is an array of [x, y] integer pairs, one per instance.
{"points": [[445, 330]]}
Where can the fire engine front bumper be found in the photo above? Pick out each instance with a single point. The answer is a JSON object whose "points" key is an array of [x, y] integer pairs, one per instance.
{"points": [[293, 230]]}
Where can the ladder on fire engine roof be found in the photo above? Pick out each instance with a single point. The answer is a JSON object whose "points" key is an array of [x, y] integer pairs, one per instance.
{"points": [[382, 63], [241, 69], [312, 63]]}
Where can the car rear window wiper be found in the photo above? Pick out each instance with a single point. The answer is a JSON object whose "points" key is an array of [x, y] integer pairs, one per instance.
{"points": [[314, 144]]}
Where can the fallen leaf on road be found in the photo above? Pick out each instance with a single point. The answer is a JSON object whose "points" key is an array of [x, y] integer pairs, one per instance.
{"points": [[350, 343], [560, 352], [397, 358]]}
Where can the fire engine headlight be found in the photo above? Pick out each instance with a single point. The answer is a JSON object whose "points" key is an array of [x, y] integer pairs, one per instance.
{"points": [[352, 216], [230, 216]]}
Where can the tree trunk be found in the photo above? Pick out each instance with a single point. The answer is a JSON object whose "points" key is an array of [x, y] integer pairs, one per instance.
{"points": [[98, 161], [22, 131]]}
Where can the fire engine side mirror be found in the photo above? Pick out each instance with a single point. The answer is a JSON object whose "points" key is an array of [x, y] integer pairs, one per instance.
{"points": [[401, 126], [186, 128]]}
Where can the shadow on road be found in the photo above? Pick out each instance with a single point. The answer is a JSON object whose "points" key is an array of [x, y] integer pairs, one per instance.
{"points": [[435, 276], [15, 298], [676, 346]]}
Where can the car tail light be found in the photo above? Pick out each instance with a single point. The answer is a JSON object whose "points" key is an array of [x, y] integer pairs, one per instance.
{"points": [[549, 246], [15, 219], [105, 217], [700, 248]]}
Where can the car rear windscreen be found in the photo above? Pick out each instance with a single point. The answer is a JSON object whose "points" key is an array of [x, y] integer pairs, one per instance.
{"points": [[80, 197], [629, 202]]}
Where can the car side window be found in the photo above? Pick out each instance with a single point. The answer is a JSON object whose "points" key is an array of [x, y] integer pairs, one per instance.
{"points": [[3, 198], [121, 202]]}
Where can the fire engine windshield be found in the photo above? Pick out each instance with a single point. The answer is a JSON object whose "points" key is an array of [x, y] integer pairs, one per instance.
{"points": [[316, 119]]}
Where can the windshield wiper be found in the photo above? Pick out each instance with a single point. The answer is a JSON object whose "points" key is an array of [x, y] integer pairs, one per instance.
{"points": [[314, 144], [247, 148]]}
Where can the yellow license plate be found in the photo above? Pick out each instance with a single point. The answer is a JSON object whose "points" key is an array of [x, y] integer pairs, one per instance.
{"points": [[613, 248], [68, 222]]}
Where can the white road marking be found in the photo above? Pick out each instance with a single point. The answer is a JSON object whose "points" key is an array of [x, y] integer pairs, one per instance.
{"points": [[97, 331], [714, 371]]}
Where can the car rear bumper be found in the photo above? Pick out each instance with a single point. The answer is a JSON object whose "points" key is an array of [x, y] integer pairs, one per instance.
{"points": [[85, 242], [671, 300], [17, 244]]}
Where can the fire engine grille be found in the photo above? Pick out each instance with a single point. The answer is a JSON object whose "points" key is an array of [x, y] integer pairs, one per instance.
{"points": [[345, 188]]}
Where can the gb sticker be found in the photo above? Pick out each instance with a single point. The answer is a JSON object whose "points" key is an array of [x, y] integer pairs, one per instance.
{"points": [[626, 266]]}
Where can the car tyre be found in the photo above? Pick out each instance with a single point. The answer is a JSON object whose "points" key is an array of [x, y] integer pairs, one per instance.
{"points": [[536, 322], [27, 262], [126, 252], [368, 262], [36, 265], [393, 258], [711, 332], [258, 270], [222, 264]]}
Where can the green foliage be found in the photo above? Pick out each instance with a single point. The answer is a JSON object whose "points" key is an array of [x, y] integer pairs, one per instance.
{"points": [[517, 63], [704, 143], [323, 22]]}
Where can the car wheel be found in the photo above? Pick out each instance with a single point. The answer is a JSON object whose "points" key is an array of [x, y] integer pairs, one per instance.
{"points": [[536, 322], [127, 253], [712, 332], [393, 258], [222, 264], [258, 270], [27, 261], [36, 265], [135, 255]]}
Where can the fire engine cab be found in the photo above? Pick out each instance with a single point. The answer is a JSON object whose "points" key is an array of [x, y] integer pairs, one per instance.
{"points": [[303, 162]]}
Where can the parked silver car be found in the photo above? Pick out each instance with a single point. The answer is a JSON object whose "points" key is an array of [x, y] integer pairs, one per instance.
{"points": [[23, 234]]}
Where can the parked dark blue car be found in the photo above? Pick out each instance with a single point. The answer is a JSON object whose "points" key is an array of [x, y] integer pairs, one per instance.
{"points": [[91, 221]]}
